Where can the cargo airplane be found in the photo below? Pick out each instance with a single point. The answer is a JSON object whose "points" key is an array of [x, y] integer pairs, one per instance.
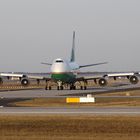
{"points": [[64, 72]]}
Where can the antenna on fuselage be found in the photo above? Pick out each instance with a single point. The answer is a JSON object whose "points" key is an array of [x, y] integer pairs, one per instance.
{"points": [[72, 59]]}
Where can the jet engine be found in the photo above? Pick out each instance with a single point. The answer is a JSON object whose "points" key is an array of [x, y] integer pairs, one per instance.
{"points": [[25, 82], [134, 79], [102, 82]]}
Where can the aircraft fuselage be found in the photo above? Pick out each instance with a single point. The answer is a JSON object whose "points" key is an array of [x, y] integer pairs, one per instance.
{"points": [[64, 71]]}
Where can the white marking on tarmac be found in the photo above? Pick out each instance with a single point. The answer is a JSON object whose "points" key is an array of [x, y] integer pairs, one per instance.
{"points": [[70, 113]]}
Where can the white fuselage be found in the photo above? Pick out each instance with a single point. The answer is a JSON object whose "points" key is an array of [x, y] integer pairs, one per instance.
{"points": [[63, 66], [64, 71]]}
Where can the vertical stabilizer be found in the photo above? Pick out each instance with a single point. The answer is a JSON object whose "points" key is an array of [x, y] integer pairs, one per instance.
{"points": [[72, 59]]}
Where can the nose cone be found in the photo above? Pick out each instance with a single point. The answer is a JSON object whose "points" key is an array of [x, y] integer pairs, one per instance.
{"points": [[60, 66]]}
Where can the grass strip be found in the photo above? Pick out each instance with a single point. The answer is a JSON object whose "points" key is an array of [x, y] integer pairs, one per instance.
{"points": [[69, 127]]}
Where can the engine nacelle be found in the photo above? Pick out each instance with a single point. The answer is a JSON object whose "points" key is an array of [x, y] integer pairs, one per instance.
{"points": [[25, 82], [102, 82], [134, 79]]}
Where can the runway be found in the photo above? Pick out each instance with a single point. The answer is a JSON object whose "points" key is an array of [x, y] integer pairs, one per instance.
{"points": [[25, 94], [70, 111], [65, 93]]}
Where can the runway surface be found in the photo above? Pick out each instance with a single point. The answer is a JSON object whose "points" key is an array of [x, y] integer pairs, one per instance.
{"points": [[24, 94], [65, 93], [70, 111]]}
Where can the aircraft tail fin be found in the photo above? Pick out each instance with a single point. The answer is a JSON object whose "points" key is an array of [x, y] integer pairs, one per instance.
{"points": [[72, 59]]}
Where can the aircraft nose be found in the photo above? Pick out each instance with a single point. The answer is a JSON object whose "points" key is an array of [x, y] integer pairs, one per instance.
{"points": [[59, 68]]}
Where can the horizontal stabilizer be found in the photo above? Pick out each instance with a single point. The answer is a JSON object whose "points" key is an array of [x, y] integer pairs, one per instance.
{"points": [[82, 66], [46, 63]]}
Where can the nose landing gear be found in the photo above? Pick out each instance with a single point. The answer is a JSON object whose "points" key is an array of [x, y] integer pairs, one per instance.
{"points": [[60, 85]]}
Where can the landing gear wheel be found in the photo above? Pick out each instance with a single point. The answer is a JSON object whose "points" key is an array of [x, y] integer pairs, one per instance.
{"points": [[72, 87], [61, 88], [50, 87], [85, 87]]}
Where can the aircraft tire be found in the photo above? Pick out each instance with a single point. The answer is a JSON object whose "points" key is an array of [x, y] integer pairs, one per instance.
{"points": [[72, 87], [85, 88], [61, 87], [46, 88], [50, 87]]}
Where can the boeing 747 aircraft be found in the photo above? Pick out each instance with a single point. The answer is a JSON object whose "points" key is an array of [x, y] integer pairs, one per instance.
{"points": [[65, 72]]}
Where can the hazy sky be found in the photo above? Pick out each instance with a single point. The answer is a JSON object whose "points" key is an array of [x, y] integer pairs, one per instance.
{"points": [[34, 31]]}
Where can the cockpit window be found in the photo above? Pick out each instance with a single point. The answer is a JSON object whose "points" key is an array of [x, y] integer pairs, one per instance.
{"points": [[59, 61]]}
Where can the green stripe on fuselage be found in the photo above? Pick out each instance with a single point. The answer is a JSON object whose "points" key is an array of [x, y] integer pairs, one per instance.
{"points": [[64, 77]]}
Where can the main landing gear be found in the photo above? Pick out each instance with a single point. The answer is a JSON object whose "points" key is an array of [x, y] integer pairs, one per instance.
{"points": [[72, 86], [60, 87], [83, 85], [49, 86]]}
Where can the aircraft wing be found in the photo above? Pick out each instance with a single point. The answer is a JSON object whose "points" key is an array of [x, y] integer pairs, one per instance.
{"points": [[120, 74], [132, 76], [109, 75], [29, 76], [11, 75], [102, 79]]}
